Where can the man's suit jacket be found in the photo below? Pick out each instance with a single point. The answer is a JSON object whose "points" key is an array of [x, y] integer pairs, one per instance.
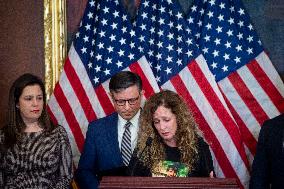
{"points": [[268, 164], [101, 154]]}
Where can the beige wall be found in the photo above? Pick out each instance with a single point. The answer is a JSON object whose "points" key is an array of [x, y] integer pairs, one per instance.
{"points": [[21, 44]]}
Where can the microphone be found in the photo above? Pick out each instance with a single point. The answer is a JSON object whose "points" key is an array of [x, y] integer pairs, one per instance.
{"points": [[147, 144]]}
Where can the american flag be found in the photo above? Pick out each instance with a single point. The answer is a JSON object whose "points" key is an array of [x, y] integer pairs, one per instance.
{"points": [[245, 75], [104, 45], [178, 65]]}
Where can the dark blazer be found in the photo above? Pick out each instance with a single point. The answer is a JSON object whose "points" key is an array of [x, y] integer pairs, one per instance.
{"points": [[268, 164], [101, 154]]}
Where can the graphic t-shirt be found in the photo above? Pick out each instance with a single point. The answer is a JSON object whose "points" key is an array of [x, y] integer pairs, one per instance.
{"points": [[171, 167]]}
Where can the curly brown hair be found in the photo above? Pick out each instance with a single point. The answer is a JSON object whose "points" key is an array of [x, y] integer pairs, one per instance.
{"points": [[186, 134]]}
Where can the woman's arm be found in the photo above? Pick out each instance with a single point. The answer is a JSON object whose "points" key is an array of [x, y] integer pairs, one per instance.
{"points": [[1, 171], [1, 159], [204, 165], [65, 167]]}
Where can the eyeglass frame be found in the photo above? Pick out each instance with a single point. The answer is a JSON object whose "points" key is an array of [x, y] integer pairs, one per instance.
{"points": [[127, 100]]}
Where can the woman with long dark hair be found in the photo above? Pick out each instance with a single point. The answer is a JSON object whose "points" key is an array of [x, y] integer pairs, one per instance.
{"points": [[35, 153]]}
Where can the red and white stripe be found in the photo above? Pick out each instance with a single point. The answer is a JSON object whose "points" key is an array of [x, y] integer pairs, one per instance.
{"points": [[75, 102], [197, 86], [254, 94]]}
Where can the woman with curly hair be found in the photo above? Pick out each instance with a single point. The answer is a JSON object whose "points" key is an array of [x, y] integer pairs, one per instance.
{"points": [[34, 153], [175, 142]]}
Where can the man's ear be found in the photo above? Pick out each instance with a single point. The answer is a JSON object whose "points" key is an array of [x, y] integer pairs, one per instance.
{"points": [[109, 93], [111, 96], [142, 92]]}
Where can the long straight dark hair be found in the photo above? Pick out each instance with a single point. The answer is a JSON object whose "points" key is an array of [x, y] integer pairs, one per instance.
{"points": [[14, 128]]}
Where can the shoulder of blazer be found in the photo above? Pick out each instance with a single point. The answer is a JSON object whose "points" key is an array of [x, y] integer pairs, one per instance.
{"points": [[272, 129], [103, 122], [275, 123]]}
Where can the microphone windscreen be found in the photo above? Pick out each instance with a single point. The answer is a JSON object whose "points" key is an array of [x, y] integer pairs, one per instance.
{"points": [[149, 141]]}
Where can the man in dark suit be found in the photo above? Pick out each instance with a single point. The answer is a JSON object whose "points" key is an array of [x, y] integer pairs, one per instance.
{"points": [[105, 150], [268, 164]]}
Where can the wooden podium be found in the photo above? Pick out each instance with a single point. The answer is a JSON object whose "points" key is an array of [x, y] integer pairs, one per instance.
{"points": [[167, 182]]}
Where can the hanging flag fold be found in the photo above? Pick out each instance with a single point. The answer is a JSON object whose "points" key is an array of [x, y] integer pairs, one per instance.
{"points": [[234, 53], [179, 65]]}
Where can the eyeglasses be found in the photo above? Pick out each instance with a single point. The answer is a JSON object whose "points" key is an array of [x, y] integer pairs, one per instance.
{"points": [[122, 102]]}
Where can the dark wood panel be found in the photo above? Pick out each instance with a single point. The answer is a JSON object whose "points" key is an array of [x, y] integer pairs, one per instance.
{"points": [[21, 44], [168, 182]]}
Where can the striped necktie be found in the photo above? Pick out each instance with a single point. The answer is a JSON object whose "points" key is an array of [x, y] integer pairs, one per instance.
{"points": [[126, 144]]}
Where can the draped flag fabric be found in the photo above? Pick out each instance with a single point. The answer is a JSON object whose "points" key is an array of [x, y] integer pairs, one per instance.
{"points": [[212, 58], [250, 84], [104, 45], [178, 65]]}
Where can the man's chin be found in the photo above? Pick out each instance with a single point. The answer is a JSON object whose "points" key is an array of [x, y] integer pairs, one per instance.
{"points": [[127, 116]]}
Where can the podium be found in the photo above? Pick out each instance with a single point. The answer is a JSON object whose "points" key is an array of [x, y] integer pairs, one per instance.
{"points": [[167, 182]]}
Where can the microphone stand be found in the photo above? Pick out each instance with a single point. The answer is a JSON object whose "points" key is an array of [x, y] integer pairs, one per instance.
{"points": [[148, 144]]}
